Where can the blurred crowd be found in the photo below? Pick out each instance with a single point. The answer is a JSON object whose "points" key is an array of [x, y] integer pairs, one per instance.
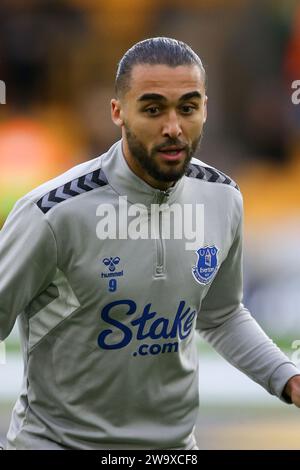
{"points": [[58, 60]]}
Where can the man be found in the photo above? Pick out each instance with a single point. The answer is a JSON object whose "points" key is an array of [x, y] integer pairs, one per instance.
{"points": [[109, 292]]}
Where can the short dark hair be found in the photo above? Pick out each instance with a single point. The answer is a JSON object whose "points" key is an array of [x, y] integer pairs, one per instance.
{"points": [[154, 51]]}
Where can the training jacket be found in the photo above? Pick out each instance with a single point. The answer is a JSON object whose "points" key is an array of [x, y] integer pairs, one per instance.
{"points": [[108, 324]]}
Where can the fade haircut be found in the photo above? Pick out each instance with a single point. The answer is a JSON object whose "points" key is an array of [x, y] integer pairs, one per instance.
{"points": [[153, 51]]}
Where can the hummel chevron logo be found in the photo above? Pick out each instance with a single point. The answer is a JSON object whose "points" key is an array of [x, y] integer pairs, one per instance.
{"points": [[209, 174], [73, 188]]}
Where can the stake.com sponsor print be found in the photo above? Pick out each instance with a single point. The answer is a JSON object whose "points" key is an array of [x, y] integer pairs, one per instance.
{"points": [[148, 326]]}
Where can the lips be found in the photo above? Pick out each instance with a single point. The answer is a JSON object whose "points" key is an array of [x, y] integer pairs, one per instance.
{"points": [[172, 148], [172, 152]]}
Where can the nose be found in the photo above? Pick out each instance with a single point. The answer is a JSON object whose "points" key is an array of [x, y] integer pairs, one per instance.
{"points": [[172, 126]]}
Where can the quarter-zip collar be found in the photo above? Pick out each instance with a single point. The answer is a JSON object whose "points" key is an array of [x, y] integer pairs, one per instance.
{"points": [[126, 183]]}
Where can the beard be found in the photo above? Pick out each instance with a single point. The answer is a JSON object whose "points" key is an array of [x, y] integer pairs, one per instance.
{"points": [[151, 165]]}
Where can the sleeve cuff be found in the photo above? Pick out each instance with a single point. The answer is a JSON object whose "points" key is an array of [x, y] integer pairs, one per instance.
{"points": [[280, 377]]}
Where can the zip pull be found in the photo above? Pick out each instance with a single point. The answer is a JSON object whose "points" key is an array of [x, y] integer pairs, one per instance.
{"points": [[162, 196]]}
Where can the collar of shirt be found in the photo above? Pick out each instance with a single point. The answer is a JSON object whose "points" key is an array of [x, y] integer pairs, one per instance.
{"points": [[126, 183]]}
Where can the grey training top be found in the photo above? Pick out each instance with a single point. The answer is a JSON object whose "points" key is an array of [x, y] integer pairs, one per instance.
{"points": [[107, 325]]}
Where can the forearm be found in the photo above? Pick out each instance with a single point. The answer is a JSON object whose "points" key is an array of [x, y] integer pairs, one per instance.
{"points": [[241, 341]]}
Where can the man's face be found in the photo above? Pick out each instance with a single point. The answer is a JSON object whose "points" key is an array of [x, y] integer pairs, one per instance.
{"points": [[161, 117]]}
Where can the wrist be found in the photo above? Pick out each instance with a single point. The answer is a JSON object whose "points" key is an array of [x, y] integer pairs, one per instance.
{"points": [[291, 387]]}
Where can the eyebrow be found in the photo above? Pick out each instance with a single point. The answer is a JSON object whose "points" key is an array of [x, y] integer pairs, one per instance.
{"points": [[158, 97]]}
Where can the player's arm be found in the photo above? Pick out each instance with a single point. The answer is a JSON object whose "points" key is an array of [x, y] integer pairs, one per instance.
{"points": [[228, 326], [27, 261]]}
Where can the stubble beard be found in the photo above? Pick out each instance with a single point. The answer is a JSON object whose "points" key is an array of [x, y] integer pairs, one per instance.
{"points": [[149, 163]]}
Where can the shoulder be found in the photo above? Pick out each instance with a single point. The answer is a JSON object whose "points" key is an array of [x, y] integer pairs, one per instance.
{"points": [[202, 171], [74, 182], [216, 187]]}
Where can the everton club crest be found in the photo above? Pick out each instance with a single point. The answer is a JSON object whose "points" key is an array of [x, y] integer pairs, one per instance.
{"points": [[207, 264]]}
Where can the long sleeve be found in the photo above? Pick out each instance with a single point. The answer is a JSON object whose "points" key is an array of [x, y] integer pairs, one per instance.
{"points": [[27, 261], [228, 326]]}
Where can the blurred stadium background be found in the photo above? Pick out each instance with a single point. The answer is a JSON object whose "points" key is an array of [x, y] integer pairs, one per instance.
{"points": [[58, 60]]}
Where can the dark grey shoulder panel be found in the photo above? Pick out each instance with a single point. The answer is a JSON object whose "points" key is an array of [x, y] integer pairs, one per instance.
{"points": [[73, 188], [209, 174]]}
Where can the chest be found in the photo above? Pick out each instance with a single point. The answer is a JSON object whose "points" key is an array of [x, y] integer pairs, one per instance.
{"points": [[150, 257]]}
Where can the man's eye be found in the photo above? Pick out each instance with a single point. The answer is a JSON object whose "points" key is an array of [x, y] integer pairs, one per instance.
{"points": [[187, 109], [152, 111]]}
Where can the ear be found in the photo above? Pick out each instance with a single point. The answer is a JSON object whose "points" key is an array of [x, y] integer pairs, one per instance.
{"points": [[205, 109], [116, 112]]}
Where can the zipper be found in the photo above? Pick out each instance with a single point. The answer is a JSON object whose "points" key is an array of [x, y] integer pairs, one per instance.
{"points": [[160, 267]]}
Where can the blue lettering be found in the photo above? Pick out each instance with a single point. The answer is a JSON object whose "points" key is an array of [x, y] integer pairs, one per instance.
{"points": [[188, 325], [121, 335], [141, 321], [177, 325], [142, 348], [155, 349], [162, 325], [111, 321], [168, 347]]}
